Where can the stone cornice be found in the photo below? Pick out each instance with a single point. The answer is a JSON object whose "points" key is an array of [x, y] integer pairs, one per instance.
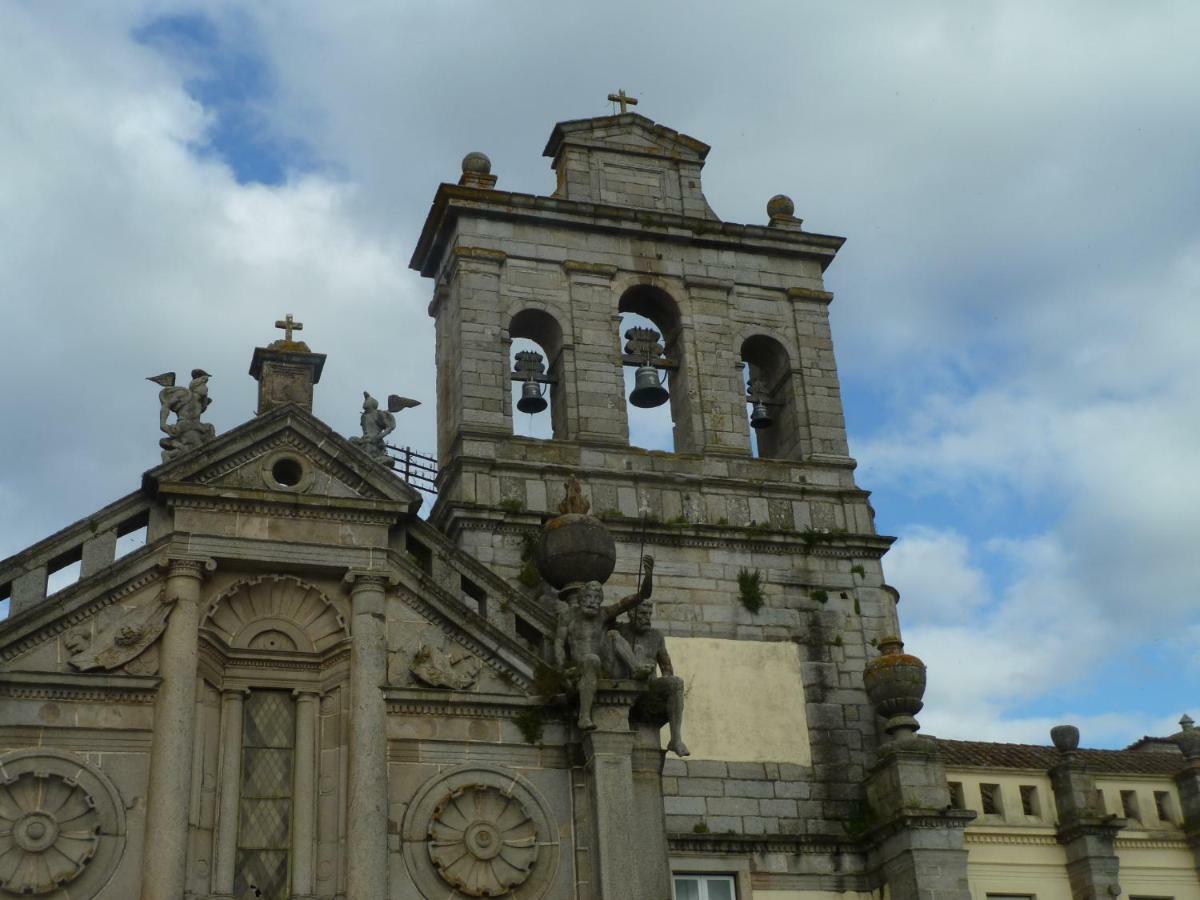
{"points": [[745, 844], [78, 687], [452, 200], [480, 254], [704, 283], [366, 512], [421, 701], [710, 537]]}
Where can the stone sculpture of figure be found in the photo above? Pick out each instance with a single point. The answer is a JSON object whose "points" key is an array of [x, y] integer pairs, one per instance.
{"points": [[586, 639], [650, 653], [377, 424], [188, 403]]}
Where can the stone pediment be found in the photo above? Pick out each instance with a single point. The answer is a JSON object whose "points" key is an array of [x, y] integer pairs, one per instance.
{"points": [[628, 132], [286, 455]]}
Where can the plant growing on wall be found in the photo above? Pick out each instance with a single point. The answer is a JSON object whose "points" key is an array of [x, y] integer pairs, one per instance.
{"points": [[750, 592]]}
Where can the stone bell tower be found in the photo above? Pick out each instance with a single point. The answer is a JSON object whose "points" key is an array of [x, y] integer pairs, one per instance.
{"points": [[768, 559]]}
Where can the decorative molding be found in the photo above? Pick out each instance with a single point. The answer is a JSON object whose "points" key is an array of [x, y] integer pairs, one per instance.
{"points": [[803, 293], [78, 688], [1151, 844], [427, 702], [1032, 840], [281, 508], [745, 844], [599, 270]]}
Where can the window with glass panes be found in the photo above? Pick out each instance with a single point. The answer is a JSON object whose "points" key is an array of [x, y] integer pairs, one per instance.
{"points": [[704, 887]]}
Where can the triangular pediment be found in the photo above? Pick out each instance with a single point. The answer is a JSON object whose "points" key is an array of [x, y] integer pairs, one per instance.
{"points": [[286, 454], [627, 132]]}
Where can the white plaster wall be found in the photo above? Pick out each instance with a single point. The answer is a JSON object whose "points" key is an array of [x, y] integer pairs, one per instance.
{"points": [[745, 700]]}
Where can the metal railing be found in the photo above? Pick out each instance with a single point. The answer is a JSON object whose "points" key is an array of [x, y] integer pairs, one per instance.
{"points": [[416, 468]]}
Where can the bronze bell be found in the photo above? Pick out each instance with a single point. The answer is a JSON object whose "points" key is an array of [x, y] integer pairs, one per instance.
{"points": [[648, 391], [759, 417], [531, 400]]}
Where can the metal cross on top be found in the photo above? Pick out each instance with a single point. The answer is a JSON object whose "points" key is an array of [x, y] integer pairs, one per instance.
{"points": [[288, 324], [624, 99]]}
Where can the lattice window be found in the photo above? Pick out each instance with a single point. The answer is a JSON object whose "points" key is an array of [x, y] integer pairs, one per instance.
{"points": [[264, 826]]}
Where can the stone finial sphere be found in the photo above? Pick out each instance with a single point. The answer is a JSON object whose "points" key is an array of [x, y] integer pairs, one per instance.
{"points": [[781, 205], [476, 163], [895, 683], [575, 548], [1065, 738]]}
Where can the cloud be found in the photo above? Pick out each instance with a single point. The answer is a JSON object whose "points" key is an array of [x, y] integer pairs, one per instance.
{"points": [[1015, 315]]}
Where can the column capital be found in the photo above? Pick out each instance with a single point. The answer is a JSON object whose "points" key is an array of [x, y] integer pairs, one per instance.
{"points": [[580, 269], [183, 566], [307, 693], [356, 579], [231, 693]]}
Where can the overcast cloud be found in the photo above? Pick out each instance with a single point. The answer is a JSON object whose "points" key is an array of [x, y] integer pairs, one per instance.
{"points": [[1016, 310]]}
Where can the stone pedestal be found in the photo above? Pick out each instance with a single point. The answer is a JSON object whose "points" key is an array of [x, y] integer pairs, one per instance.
{"points": [[1088, 836], [622, 767], [367, 823], [286, 372], [917, 839], [165, 862]]}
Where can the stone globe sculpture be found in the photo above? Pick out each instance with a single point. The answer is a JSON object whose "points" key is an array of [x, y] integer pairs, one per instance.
{"points": [[575, 547], [1065, 738], [895, 683]]}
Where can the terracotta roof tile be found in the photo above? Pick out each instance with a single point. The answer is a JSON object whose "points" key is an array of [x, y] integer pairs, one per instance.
{"points": [[982, 754]]}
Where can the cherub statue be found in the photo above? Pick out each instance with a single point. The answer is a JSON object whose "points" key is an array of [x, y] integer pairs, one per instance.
{"points": [[591, 647], [650, 653], [188, 403], [377, 424]]}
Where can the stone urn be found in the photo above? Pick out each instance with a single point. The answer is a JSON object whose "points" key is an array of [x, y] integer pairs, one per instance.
{"points": [[1065, 738], [1188, 741], [895, 683], [574, 547]]}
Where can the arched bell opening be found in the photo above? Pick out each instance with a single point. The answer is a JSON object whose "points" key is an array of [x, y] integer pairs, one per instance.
{"points": [[770, 399], [538, 407], [651, 334]]}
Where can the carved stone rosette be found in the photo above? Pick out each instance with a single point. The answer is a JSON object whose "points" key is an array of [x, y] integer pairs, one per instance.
{"points": [[482, 841], [61, 824], [482, 831]]}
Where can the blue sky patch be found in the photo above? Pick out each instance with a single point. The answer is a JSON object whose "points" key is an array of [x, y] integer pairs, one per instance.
{"points": [[226, 71]]}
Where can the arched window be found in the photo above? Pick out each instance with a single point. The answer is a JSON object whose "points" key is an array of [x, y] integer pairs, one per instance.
{"points": [[652, 338], [536, 367], [774, 424]]}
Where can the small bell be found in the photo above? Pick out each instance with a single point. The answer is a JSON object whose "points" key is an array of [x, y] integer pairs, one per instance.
{"points": [[531, 400], [648, 391], [759, 417]]}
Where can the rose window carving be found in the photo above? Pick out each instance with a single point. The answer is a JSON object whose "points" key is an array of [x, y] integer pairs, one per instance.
{"points": [[482, 840], [49, 831]]}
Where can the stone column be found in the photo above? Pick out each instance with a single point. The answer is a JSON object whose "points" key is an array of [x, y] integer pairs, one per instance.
{"points": [[1088, 835], [597, 391], [165, 862], [367, 823], [917, 839], [1187, 781], [304, 795], [229, 793], [624, 835]]}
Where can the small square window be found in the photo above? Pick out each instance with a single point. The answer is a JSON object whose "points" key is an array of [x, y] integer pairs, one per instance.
{"points": [[989, 795], [704, 887], [1029, 800], [474, 595], [1129, 805], [957, 800], [1164, 806]]}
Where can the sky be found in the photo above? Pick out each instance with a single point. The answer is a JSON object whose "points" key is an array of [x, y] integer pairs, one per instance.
{"points": [[1016, 312]]}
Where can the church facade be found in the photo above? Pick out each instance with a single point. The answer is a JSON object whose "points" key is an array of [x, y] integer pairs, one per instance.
{"points": [[592, 672]]}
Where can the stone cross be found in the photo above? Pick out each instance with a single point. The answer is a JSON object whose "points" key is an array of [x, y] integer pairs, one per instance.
{"points": [[288, 324], [624, 99]]}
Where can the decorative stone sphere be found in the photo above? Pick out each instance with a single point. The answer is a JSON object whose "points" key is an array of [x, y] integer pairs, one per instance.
{"points": [[575, 547], [895, 683], [781, 205], [476, 163], [1065, 738]]}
